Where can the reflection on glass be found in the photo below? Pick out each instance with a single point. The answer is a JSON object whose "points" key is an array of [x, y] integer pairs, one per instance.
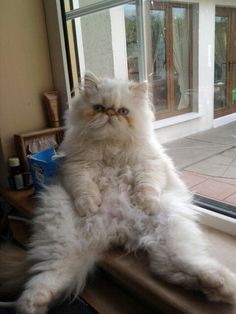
{"points": [[220, 81], [131, 41], [181, 50], [157, 18], [234, 60]]}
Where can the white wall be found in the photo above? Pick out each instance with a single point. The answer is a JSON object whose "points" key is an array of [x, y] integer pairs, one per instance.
{"points": [[25, 70]]}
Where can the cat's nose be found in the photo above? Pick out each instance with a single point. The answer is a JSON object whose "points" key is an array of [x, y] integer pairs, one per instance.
{"points": [[110, 112]]}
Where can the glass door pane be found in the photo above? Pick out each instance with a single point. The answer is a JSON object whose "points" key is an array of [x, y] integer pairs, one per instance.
{"points": [[234, 59], [158, 31], [221, 62]]}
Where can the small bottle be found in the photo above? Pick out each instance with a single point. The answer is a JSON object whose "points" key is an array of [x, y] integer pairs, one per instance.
{"points": [[16, 173]]}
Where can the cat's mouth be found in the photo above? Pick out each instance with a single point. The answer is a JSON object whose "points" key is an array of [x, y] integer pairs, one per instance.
{"points": [[111, 120], [108, 122]]}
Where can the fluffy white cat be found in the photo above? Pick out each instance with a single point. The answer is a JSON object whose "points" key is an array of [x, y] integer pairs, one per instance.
{"points": [[117, 186]]}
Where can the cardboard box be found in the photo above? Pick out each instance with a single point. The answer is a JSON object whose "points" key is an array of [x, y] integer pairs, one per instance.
{"points": [[44, 166]]}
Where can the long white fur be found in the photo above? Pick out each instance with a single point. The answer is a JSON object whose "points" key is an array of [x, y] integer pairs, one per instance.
{"points": [[117, 186]]}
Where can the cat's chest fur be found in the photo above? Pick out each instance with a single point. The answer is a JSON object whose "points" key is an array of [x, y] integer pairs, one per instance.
{"points": [[115, 167], [111, 156]]}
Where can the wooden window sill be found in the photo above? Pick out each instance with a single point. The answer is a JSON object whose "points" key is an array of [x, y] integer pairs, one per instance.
{"points": [[132, 274]]}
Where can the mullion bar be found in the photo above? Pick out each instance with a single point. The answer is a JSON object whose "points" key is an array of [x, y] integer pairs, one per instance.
{"points": [[93, 8]]}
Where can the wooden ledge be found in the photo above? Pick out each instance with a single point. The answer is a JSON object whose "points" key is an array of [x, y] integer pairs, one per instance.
{"points": [[131, 271], [22, 201]]}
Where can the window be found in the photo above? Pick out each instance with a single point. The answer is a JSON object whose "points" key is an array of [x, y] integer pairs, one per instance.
{"points": [[95, 40], [187, 52], [111, 41]]}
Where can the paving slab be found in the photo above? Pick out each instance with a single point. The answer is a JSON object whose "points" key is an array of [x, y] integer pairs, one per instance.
{"points": [[208, 168], [191, 179], [230, 172], [214, 189], [222, 135], [207, 161], [231, 199], [186, 152]]}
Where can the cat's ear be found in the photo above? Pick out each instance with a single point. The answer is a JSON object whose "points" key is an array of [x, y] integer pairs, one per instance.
{"points": [[138, 89], [90, 82]]}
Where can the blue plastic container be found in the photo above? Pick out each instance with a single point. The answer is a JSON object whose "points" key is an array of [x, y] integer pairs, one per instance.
{"points": [[43, 166]]}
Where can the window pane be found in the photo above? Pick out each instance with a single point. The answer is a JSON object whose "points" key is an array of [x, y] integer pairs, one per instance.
{"points": [[181, 57], [207, 159], [105, 43], [109, 44]]}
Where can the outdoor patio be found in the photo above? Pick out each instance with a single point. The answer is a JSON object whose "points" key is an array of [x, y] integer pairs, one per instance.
{"points": [[207, 162]]}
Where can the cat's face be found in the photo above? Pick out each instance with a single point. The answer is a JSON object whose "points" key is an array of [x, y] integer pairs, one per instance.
{"points": [[111, 109]]}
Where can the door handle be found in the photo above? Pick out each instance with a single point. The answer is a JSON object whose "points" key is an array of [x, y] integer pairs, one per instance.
{"points": [[232, 65]]}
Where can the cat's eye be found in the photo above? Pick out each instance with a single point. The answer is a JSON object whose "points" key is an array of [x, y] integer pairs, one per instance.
{"points": [[98, 108], [123, 111]]}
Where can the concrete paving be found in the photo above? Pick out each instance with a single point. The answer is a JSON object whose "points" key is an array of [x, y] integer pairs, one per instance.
{"points": [[207, 162]]}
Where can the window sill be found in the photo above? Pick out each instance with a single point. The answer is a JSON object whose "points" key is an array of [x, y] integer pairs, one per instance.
{"points": [[220, 222], [130, 276], [158, 124]]}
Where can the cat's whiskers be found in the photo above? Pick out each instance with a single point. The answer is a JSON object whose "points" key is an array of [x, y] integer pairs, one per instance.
{"points": [[97, 122]]}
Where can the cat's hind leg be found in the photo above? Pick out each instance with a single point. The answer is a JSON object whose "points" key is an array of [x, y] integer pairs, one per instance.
{"points": [[178, 253], [59, 252]]}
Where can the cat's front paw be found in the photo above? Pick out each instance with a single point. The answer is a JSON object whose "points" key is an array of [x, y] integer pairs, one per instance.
{"points": [[147, 198], [150, 205], [87, 206]]}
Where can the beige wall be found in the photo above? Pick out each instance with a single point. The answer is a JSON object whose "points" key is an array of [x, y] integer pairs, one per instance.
{"points": [[25, 69]]}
